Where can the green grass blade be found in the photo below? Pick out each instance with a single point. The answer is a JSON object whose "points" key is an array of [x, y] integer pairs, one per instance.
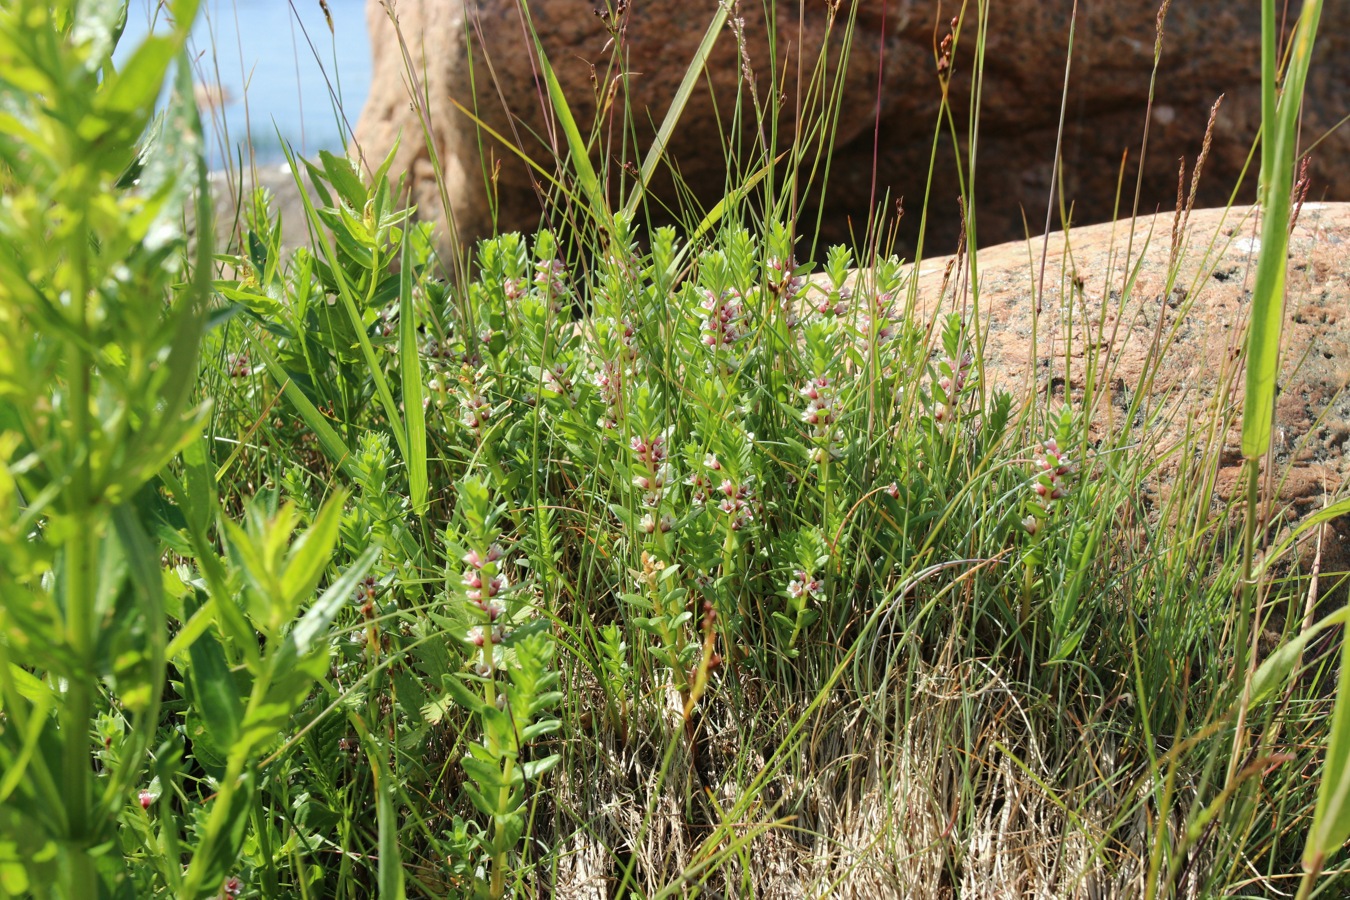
{"points": [[506, 144], [677, 105], [329, 439], [1331, 817], [1263, 338], [410, 368], [390, 872], [576, 144]]}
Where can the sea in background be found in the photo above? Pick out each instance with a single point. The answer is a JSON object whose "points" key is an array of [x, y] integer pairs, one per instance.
{"points": [[270, 71]]}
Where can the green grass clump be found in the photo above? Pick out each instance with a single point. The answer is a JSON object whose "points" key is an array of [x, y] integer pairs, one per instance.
{"points": [[638, 561]]}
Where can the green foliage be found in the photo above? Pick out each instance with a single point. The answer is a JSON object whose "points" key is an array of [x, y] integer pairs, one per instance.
{"points": [[360, 582], [100, 319]]}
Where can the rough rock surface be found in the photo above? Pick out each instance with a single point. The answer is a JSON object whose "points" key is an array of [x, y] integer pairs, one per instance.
{"points": [[1194, 303], [1209, 47]]}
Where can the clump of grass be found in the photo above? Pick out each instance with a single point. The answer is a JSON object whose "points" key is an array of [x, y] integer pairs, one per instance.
{"points": [[656, 561]]}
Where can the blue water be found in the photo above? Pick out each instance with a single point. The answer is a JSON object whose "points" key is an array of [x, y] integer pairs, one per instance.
{"points": [[283, 73]]}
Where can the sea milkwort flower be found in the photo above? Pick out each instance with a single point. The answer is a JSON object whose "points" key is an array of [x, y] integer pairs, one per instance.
{"points": [[1049, 484]]}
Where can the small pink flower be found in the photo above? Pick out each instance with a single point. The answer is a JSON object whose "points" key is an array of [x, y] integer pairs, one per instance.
{"points": [[476, 636], [146, 799]]}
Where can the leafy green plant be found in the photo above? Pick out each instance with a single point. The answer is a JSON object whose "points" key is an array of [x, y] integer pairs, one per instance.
{"points": [[102, 308], [510, 685], [617, 558]]}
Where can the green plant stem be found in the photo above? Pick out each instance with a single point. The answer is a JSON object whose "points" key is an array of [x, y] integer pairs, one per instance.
{"points": [[497, 883], [498, 886], [1306, 883], [80, 585]]}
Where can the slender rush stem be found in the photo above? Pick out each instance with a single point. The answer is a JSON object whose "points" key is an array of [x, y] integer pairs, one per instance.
{"points": [[1244, 614]]}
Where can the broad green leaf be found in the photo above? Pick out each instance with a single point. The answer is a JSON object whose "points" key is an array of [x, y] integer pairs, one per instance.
{"points": [[140, 80], [461, 693], [486, 774], [262, 597], [312, 552], [315, 622], [214, 690], [537, 767], [1331, 817], [1277, 166], [1279, 666], [225, 836], [43, 700], [197, 501], [344, 179], [100, 23]]}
